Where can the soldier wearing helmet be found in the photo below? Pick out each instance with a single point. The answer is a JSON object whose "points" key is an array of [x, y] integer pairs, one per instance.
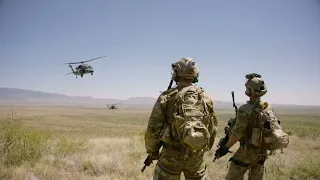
{"points": [[248, 156], [186, 70], [175, 157]]}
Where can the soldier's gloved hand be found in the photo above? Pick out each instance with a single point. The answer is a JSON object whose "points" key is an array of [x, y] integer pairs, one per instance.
{"points": [[222, 151]]}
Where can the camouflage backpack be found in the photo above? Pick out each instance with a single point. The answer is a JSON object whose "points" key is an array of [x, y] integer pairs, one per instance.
{"points": [[189, 119], [268, 132]]}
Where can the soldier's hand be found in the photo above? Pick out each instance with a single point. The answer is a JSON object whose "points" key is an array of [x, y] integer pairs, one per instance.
{"points": [[222, 151]]}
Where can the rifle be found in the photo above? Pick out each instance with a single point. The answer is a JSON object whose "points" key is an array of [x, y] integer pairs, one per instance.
{"points": [[223, 141], [147, 161], [234, 104], [170, 84]]}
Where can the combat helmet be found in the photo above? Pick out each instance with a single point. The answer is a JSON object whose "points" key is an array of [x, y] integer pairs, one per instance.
{"points": [[255, 85], [185, 68]]}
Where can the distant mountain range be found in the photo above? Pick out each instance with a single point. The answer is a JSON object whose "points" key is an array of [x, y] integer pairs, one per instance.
{"points": [[14, 96]]}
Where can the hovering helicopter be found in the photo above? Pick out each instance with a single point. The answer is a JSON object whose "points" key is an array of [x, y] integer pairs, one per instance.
{"points": [[82, 69], [113, 106]]}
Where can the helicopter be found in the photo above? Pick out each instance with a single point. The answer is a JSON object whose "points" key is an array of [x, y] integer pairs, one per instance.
{"points": [[83, 68], [113, 106]]}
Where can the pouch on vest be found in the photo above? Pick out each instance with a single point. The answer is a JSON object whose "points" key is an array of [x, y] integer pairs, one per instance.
{"points": [[269, 133]]}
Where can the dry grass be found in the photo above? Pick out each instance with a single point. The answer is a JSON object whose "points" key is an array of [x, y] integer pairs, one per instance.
{"points": [[97, 143]]}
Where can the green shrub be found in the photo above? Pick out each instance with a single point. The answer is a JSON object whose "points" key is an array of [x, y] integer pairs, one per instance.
{"points": [[66, 147], [308, 170], [19, 143]]}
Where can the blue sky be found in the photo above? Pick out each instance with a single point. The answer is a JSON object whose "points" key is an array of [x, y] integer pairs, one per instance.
{"points": [[278, 39]]}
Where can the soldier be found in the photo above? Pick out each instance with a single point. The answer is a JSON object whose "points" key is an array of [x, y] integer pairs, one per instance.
{"points": [[248, 156], [191, 108]]}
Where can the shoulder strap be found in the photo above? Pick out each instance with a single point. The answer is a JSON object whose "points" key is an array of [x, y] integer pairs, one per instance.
{"points": [[262, 110], [170, 103], [255, 108], [180, 93]]}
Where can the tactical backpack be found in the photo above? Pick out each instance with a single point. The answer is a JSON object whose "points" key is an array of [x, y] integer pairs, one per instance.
{"points": [[189, 119], [268, 132]]}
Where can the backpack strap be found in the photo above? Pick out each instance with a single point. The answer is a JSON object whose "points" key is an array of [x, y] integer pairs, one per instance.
{"points": [[260, 109], [204, 103], [180, 93], [253, 107], [170, 108]]}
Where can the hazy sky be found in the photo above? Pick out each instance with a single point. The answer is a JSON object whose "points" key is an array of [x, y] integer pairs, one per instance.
{"points": [[141, 38]]}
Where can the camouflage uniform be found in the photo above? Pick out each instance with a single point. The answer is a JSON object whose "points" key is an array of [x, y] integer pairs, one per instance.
{"points": [[174, 158], [247, 157], [257, 129]]}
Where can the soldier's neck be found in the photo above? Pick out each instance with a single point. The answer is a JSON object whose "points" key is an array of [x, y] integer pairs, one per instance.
{"points": [[183, 83], [254, 99]]}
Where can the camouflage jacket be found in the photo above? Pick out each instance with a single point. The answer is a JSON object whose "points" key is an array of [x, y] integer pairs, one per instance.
{"points": [[246, 120], [158, 119]]}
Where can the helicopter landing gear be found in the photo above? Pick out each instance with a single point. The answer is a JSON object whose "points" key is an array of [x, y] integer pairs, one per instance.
{"points": [[81, 75], [91, 73]]}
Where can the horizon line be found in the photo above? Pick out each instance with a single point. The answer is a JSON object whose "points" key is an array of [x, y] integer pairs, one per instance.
{"points": [[316, 105]]}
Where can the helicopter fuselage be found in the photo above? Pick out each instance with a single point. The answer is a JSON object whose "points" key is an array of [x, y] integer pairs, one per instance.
{"points": [[82, 69]]}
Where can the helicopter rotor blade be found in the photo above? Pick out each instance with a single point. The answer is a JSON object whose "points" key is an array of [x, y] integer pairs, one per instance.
{"points": [[69, 73], [73, 63], [94, 59], [85, 61]]}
